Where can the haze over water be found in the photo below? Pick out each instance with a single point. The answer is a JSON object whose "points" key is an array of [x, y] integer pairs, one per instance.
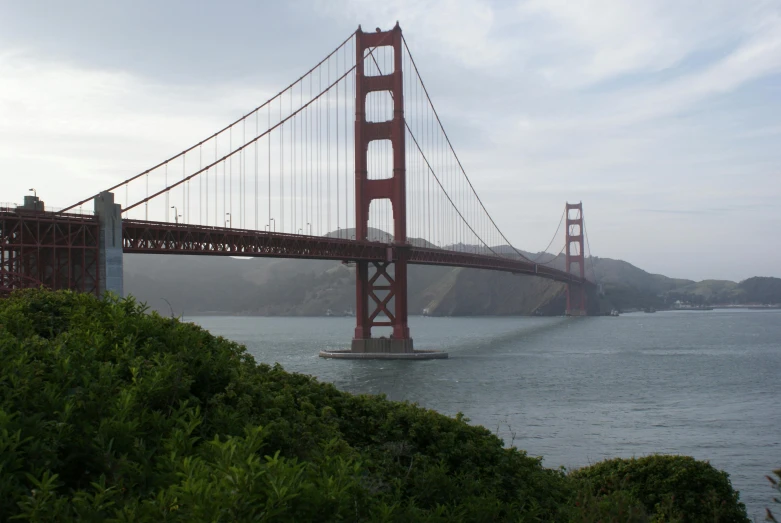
{"points": [[574, 390]]}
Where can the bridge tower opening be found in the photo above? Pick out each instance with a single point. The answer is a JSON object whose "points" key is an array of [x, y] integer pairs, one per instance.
{"points": [[576, 292], [381, 287]]}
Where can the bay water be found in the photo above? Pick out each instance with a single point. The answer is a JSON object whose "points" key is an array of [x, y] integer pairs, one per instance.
{"points": [[573, 390]]}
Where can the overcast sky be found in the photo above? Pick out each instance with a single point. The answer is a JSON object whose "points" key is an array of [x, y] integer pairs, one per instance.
{"points": [[663, 117]]}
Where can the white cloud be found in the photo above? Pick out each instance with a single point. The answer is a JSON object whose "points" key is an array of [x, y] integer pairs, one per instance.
{"points": [[76, 130], [464, 30], [597, 40]]}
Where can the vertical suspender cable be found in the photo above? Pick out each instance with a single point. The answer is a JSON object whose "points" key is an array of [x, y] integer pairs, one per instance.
{"points": [[310, 158], [200, 186], [257, 132], [346, 159], [293, 168], [230, 180], [216, 181], [318, 163], [338, 228], [328, 153], [302, 163], [243, 184], [184, 194], [269, 169], [281, 171]]}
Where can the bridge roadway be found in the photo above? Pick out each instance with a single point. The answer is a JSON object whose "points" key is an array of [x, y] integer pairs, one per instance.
{"points": [[139, 236]]}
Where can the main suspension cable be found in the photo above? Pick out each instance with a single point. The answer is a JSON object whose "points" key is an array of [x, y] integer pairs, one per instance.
{"points": [[268, 131], [450, 145], [545, 251], [218, 132], [239, 149]]}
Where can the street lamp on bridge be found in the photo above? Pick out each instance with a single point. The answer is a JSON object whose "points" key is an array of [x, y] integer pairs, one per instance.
{"points": [[176, 213], [35, 193], [228, 219]]}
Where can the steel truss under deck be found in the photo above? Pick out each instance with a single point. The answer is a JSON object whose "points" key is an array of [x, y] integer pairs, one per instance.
{"points": [[58, 251]]}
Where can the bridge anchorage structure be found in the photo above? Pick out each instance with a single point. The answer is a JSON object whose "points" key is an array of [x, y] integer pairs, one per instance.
{"points": [[389, 181]]}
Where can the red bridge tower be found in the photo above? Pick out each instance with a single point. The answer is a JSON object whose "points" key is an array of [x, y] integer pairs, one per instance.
{"points": [[381, 287], [576, 293]]}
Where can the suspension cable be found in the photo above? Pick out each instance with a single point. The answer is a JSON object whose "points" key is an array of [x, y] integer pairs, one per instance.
{"points": [[450, 145], [268, 131], [220, 131], [443, 189], [588, 246], [239, 149], [545, 251]]}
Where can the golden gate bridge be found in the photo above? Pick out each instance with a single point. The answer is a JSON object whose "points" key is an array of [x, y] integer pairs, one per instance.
{"points": [[349, 162]]}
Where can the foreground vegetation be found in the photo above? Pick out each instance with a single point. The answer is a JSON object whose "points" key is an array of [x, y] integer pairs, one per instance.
{"points": [[111, 414]]}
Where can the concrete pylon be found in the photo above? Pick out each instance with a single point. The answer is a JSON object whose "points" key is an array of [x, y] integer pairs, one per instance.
{"points": [[110, 266]]}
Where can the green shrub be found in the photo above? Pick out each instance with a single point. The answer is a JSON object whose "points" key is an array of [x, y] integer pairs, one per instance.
{"points": [[618, 506], [670, 488], [109, 413]]}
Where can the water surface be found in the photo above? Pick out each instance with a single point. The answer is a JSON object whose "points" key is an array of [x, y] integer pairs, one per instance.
{"points": [[574, 390]]}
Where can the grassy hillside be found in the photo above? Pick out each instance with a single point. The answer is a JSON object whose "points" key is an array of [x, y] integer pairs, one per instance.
{"points": [[757, 290], [761, 290], [111, 414], [620, 273]]}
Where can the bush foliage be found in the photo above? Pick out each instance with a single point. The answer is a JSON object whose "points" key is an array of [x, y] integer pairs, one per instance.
{"points": [[108, 413], [673, 488]]}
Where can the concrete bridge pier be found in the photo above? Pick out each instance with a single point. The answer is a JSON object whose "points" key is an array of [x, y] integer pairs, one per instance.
{"points": [[110, 268]]}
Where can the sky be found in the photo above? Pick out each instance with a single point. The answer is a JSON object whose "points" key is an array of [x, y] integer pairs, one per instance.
{"points": [[662, 116]]}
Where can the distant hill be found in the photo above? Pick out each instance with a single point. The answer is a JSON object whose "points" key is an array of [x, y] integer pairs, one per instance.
{"points": [[193, 285], [756, 291]]}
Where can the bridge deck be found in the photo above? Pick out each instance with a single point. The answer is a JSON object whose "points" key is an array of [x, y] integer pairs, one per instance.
{"points": [[140, 236], [25, 232]]}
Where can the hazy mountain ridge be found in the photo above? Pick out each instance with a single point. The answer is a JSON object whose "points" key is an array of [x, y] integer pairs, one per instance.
{"points": [[280, 287]]}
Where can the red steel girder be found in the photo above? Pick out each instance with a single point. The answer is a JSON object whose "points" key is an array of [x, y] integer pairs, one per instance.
{"points": [[166, 238], [140, 236], [59, 251]]}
